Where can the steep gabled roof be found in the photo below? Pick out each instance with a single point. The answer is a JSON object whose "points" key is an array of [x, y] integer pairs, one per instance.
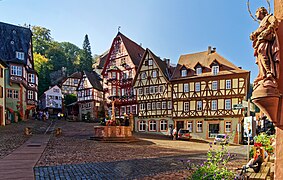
{"points": [[205, 59], [14, 38], [135, 51], [161, 64], [94, 80], [77, 75], [102, 59]]}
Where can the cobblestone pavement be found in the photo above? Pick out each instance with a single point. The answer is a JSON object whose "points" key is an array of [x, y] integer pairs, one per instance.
{"points": [[12, 135], [129, 169]]}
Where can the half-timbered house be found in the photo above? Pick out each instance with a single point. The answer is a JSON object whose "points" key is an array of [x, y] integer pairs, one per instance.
{"points": [[71, 83], [153, 91], [90, 96], [205, 86], [51, 100], [22, 79], [118, 74]]}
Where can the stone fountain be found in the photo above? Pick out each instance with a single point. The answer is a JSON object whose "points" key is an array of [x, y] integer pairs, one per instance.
{"points": [[113, 132]]}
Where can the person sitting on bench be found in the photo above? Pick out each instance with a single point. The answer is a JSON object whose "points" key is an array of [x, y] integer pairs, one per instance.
{"points": [[255, 162]]}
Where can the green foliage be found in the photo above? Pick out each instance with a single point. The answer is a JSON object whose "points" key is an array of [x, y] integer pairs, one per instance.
{"points": [[86, 57], [265, 140], [41, 39], [215, 166], [70, 98], [50, 55]]}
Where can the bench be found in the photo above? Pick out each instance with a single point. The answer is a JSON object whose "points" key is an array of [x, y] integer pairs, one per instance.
{"points": [[263, 172]]}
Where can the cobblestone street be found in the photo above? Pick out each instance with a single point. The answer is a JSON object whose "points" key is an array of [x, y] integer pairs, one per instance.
{"points": [[129, 169], [74, 156]]}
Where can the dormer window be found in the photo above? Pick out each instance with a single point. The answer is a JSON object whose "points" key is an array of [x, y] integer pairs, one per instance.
{"points": [[20, 55], [215, 70], [198, 70], [183, 73]]}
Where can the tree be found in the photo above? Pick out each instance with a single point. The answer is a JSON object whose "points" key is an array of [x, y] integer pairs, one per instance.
{"points": [[41, 39], [72, 53], [38, 61], [69, 99], [86, 57], [56, 56]]}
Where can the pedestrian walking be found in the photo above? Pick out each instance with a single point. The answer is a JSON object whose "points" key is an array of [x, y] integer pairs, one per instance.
{"points": [[175, 133]]}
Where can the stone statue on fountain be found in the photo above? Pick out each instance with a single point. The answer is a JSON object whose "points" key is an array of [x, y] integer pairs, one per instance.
{"points": [[266, 50], [266, 94]]}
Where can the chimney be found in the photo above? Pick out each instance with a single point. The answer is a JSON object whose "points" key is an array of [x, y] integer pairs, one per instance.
{"points": [[209, 50], [214, 49], [167, 61]]}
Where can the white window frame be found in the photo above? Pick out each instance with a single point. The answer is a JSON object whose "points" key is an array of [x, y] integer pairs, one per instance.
{"points": [[163, 125], [150, 62], [215, 70], [158, 105], [214, 105], [184, 73], [16, 94], [143, 75], [31, 78], [20, 55], [153, 105], [198, 70], [186, 106], [190, 126], [228, 83], [142, 125], [151, 88], [228, 126], [140, 91], [197, 86], [160, 88], [142, 106], [152, 125], [169, 105], [154, 73], [186, 87], [227, 104], [214, 85], [17, 70], [30, 94], [164, 103], [147, 90], [199, 126], [148, 106], [199, 105]]}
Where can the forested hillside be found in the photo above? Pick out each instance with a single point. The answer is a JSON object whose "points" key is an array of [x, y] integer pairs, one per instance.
{"points": [[50, 56]]}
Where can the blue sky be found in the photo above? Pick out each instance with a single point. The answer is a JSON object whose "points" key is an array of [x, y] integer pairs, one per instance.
{"points": [[168, 27]]}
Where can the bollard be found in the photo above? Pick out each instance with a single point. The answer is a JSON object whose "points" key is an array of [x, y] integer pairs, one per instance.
{"points": [[27, 131], [58, 132]]}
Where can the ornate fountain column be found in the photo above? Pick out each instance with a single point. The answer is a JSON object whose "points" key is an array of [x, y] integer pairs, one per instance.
{"points": [[278, 12], [268, 86]]}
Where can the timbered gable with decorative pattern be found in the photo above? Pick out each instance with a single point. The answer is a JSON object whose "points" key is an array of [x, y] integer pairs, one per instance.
{"points": [[153, 88], [210, 91], [118, 74]]}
